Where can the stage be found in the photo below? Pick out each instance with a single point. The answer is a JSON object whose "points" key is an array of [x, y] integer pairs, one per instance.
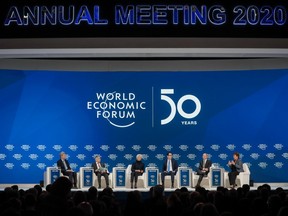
{"points": [[273, 186]]}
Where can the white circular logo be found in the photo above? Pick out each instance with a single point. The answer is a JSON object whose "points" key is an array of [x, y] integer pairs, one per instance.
{"points": [[119, 109]]}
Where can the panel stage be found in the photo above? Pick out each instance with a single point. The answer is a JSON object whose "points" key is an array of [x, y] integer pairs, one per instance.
{"points": [[146, 190]]}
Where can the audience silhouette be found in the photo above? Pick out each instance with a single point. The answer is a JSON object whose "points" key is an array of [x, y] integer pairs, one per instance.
{"points": [[58, 200]]}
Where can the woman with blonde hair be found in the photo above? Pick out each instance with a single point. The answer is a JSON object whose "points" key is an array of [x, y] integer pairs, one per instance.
{"points": [[137, 169]]}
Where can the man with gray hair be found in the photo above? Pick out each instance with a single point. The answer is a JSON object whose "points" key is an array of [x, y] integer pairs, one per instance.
{"points": [[137, 169], [100, 170], [204, 168], [66, 170]]}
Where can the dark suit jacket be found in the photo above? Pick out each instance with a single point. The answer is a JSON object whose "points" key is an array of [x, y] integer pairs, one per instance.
{"points": [[207, 165], [94, 166], [174, 165], [238, 166], [60, 164], [137, 165]]}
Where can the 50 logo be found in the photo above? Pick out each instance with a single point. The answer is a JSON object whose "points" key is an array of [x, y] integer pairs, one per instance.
{"points": [[178, 107]]}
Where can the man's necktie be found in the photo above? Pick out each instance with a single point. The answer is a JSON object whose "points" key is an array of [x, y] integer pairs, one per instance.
{"points": [[65, 165]]}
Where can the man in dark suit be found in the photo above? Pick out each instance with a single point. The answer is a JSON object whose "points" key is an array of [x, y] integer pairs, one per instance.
{"points": [[170, 167], [100, 170], [66, 170], [203, 169]]}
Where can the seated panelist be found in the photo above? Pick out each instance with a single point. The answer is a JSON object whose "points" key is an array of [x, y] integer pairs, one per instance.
{"points": [[100, 170], [66, 170], [137, 169], [236, 166], [170, 167]]}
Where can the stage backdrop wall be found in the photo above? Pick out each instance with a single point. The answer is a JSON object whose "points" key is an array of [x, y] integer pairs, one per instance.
{"points": [[120, 114]]}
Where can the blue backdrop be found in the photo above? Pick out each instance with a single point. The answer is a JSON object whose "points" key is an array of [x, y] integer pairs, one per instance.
{"points": [[118, 115]]}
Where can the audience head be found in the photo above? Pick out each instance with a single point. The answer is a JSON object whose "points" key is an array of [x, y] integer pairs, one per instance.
{"points": [[279, 190], [48, 188], [264, 192], [107, 192], [15, 187], [267, 186], [173, 201], [134, 198], [33, 191], [10, 193], [61, 187], [92, 193], [79, 197], [39, 189], [198, 208], [158, 191], [246, 188], [86, 208], [208, 209], [183, 189]]}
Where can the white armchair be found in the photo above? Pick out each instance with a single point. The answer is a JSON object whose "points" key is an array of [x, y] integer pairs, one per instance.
{"points": [[186, 178], [154, 177], [141, 179], [103, 183], [206, 181], [118, 180], [167, 180], [242, 178], [86, 177], [51, 174]]}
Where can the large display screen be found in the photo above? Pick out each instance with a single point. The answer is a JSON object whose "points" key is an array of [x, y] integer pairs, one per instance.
{"points": [[120, 114], [144, 18]]}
